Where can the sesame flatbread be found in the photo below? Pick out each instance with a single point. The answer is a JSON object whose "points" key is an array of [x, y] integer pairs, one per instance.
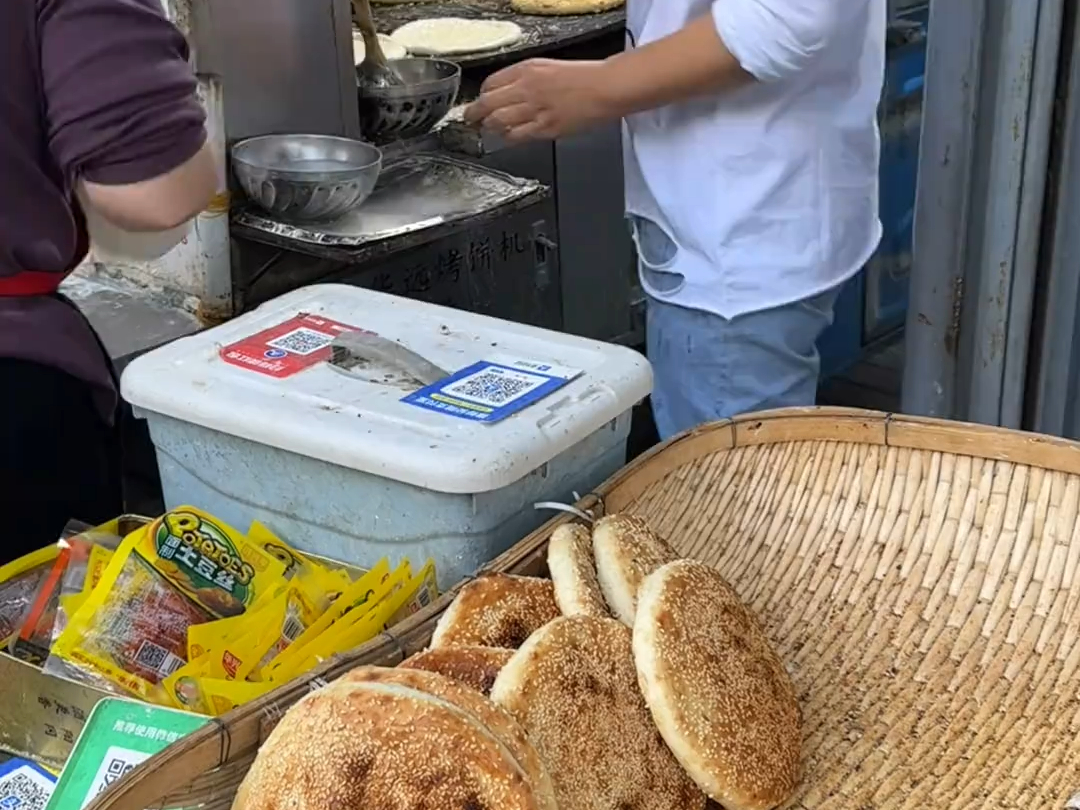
{"points": [[718, 693], [573, 572], [494, 719], [573, 687], [497, 610], [379, 745], [476, 667], [626, 551]]}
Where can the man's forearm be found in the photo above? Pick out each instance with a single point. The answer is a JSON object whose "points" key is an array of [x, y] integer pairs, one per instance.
{"points": [[691, 62]]}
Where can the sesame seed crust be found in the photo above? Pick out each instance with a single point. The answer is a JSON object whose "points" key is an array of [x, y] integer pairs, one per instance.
{"points": [[718, 692], [573, 572], [574, 688], [626, 551], [381, 747], [474, 666], [496, 610], [496, 720]]}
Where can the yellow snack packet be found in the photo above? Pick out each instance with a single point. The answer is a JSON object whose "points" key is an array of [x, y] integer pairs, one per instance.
{"points": [[288, 663], [213, 696], [218, 634], [355, 597], [297, 610], [224, 696], [332, 581], [221, 697], [96, 563], [232, 657], [241, 644], [183, 569], [70, 604], [421, 592], [363, 627], [180, 687], [213, 635]]}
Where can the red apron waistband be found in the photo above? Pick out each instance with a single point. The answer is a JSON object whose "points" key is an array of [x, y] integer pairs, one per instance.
{"points": [[30, 283]]}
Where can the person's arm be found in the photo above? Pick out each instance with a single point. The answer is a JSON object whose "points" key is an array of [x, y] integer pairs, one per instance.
{"points": [[739, 41], [124, 124]]}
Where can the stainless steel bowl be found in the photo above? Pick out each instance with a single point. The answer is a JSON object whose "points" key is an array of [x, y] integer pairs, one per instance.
{"points": [[306, 178], [393, 113]]}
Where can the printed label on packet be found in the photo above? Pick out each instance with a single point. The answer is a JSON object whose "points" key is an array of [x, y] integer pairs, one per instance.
{"points": [[491, 391], [288, 348]]}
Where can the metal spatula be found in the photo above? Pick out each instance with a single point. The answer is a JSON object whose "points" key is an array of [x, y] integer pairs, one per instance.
{"points": [[375, 70]]}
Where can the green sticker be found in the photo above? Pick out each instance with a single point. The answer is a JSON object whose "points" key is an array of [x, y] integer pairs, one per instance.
{"points": [[119, 735]]}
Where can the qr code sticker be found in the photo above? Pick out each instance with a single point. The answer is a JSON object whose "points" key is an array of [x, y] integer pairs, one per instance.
{"points": [[25, 789], [157, 659], [494, 386], [117, 764], [302, 341]]}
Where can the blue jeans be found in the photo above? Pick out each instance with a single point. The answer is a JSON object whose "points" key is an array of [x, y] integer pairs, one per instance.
{"points": [[707, 367]]}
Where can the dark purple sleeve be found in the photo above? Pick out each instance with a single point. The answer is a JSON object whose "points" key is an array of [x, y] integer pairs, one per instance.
{"points": [[119, 92]]}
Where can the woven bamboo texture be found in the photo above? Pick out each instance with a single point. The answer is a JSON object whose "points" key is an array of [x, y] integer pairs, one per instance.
{"points": [[918, 577]]}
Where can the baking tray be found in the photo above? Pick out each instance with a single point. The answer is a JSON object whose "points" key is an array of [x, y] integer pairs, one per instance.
{"points": [[415, 193], [542, 34]]}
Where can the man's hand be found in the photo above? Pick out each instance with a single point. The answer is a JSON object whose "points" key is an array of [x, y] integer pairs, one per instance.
{"points": [[544, 98], [549, 98]]}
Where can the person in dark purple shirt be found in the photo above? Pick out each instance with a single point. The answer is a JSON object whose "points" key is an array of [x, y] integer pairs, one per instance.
{"points": [[97, 99]]}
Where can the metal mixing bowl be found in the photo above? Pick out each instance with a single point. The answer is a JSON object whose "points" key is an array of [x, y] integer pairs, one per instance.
{"points": [[306, 178], [392, 113]]}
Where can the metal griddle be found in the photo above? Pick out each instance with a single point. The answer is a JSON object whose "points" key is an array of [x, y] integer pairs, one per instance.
{"points": [[542, 34]]}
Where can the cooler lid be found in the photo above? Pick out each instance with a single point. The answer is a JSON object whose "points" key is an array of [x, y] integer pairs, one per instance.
{"points": [[443, 399]]}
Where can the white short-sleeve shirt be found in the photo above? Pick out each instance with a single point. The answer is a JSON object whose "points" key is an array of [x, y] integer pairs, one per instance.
{"points": [[770, 191]]}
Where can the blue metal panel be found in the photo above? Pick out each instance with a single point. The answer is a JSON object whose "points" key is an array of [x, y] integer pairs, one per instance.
{"points": [[874, 303]]}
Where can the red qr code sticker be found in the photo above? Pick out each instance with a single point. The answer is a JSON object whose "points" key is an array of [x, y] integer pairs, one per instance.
{"points": [[288, 348]]}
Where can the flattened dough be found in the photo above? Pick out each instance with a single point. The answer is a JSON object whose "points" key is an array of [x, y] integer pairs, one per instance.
{"points": [[564, 7], [390, 48], [444, 36]]}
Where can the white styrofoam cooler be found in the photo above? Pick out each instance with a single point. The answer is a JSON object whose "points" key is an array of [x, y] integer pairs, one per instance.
{"points": [[341, 467]]}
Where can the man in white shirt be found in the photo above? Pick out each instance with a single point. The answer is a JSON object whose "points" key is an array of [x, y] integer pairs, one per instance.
{"points": [[751, 159]]}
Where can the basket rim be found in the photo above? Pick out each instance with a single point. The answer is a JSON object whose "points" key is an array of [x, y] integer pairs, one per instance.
{"points": [[237, 734]]}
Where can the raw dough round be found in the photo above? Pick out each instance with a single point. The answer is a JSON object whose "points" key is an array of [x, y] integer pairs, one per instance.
{"points": [[444, 36], [390, 48], [562, 7]]}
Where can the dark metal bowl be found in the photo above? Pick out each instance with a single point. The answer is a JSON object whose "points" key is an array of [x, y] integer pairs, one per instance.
{"points": [[399, 112], [306, 177]]}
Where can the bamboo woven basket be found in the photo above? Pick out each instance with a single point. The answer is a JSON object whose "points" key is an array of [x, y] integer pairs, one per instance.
{"points": [[918, 577]]}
